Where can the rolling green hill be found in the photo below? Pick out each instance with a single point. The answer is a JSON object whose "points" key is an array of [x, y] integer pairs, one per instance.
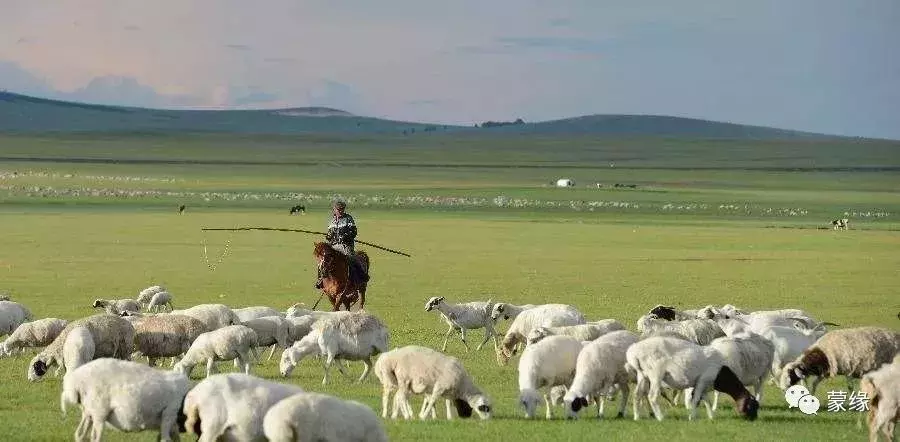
{"points": [[25, 114]]}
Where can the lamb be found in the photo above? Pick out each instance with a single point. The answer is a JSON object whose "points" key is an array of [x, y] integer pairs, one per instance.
{"points": [[117, 306], [38, 333], [508, 311], [882, 386], [460, 317], [247, 313], [600, 367], [165, 335], [851, 352], [128, 396], [159, 300], [232, 406], [547, 315], [214, 316], [662, 361], [699, 331], [270, 330], [233, 341], [749, 356], [144, 296], [112, 337], [423, 370], [355, 336], [320, 417], [582, 332], [12, 315], [78, 349], [548, 363]]}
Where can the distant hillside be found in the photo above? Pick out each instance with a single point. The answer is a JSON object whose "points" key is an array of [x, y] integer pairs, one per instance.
{"points": [[25, 114]]}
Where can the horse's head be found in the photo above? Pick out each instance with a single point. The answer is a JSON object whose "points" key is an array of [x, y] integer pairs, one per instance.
{"points": [[322, 249]]}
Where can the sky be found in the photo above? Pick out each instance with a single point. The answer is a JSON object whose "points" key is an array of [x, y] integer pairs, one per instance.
{"points": [[830, 66]]}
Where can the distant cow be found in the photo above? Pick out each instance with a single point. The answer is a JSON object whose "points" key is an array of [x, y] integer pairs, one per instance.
{"points": [[841, 224], [298, 209], [181, 209]]}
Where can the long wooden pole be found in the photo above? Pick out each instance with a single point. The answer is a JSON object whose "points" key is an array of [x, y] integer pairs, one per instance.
{"points": [[312, 232]]}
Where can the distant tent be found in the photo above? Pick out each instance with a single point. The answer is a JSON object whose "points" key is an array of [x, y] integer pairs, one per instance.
{"points": [[565, 182]]}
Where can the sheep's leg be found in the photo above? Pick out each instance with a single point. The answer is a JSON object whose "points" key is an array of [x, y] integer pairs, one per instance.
{"points": [[653, 397], [97, 430], [167, 424], [488, 333], [759, 388], [83, 426], [328, 362], [446, 338], [624, 387], [271, 352], [449, 410], [547, 404], [815, 384], [601, 404], [368, 362], [210, 366], [385, 399], [715, 404], [699, 393], [401, 400], [244, 360], [151, 361], [462, 336], [638, 395]]}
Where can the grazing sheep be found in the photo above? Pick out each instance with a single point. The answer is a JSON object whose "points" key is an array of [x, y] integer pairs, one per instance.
{"points": [[462, 317], [298, 327], [159, 300], [600, 367], [699, 331], [508, 311], [144, 296], [226, 343], [12, 315], [882, 387], [5, 297], [547, 315], [851, 352], [232, 406], [247, 313], [680, 364], [165, 336], [38, 333], [673, 314], [749, 356], [320, 417], [78, 349], [581, 332], [117, 306], [270, 330], [112, 337], [355, 336], [789, 343], [548, 363], [127, 396], [213, 316], [423, 370]]}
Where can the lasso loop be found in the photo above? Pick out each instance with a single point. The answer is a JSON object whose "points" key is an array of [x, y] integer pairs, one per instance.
{"points": [[212, 267]]}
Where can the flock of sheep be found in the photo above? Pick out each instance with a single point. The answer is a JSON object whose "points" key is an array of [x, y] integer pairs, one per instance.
{"points": [[564, 359]]}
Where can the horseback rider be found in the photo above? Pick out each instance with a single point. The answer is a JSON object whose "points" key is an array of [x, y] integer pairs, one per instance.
{"points": [[341, 236]]}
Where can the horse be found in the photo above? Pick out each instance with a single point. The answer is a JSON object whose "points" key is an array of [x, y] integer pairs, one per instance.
{"points": [[298, 209], [336, 280]]}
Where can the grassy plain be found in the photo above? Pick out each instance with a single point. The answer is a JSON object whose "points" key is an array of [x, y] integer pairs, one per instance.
{"points": [[487, 227]]}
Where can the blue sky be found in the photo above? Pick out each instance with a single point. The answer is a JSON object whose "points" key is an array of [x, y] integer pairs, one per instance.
{"points": [[818, 65]]}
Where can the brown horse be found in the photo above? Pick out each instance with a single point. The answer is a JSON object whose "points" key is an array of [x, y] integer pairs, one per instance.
{"points": [[336, 281]]}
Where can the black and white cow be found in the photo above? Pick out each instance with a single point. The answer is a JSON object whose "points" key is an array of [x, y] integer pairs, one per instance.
{"points": [[841, 224]]}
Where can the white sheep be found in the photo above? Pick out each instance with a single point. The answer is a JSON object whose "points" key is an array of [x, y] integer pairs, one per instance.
{"points": [[232, 406], [355, 336], [320, 417], [125, 395], [421, 370], [271, 330], [882, 387], [582, 332], [298, 327], [600, 368], [78, 349], [163, 336], [547, 315], [39, 333], [12, 315], [850, 352], [699, 331], [159, 300], [247, 313], [789, 343], [145, 295], [117, 306], [214, 316], [749, 356], [112, 337], [508, 311], [548, 363], [466, 316], [223, 344], [680, 364], [670, 313]]}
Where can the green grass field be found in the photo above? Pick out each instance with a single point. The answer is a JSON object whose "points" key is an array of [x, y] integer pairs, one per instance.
{"points": [[74, 232]]}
